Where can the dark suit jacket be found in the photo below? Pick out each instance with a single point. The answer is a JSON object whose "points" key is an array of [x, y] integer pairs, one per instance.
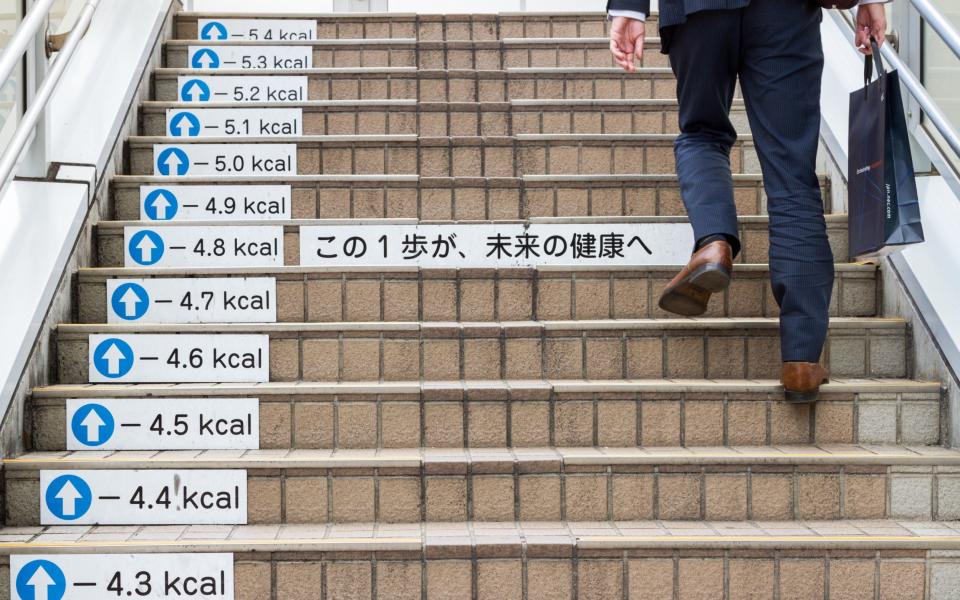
{"points": [[674, 12]]}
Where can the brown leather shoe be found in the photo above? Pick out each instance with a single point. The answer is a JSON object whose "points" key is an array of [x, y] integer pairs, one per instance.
{"points": [[801, 381], [707, 272]]}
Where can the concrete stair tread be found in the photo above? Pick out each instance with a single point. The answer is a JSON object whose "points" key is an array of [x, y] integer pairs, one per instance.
{"points": [[141, 140], [491, 460], [411, 41], [835, 218], [136, 180], [171, 72], [721, 323], [524, 387], [100, 273], [482, 536]]}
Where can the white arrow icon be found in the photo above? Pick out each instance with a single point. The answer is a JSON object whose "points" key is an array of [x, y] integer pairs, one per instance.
{"points": [[173, 162], [146, 248], [177, 126], [130, 300], [193, 91], [161, 204], [205, 60], [68, 496], [41, 581], [113, 356], [92, 423]]}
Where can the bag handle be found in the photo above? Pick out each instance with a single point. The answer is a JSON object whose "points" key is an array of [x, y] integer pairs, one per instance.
{"points": [[868, 63]]}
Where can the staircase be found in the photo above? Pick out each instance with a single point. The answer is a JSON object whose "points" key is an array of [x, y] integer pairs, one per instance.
{"points": [[487, 432]]}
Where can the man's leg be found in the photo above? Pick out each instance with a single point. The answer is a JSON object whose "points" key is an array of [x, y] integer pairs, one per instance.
{"points": [[780, 69], [704, 55]]}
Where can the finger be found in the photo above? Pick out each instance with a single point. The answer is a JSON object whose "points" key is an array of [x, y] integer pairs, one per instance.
{"points": [[615, 50]]}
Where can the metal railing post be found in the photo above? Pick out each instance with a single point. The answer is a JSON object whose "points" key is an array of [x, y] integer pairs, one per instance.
{"points": [[34, 160]]}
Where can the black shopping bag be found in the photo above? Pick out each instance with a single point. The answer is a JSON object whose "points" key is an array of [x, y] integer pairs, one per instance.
{"points": [[884, 212]]}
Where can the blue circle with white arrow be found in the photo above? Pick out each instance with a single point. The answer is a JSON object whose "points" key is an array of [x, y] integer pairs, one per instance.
{"points": [[161, 205], [113, 358], [68, 497], [195, 90], [177, 157], [205, 58], [213, 27], [41, 580], [146, 247], [92, 425], [130, 301], [185, 121]]}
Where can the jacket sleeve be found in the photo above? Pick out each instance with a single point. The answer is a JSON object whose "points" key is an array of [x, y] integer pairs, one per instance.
{"points": [[641, 6]]}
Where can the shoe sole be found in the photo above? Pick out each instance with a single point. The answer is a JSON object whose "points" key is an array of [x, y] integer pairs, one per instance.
{"points": [[690, 296]]}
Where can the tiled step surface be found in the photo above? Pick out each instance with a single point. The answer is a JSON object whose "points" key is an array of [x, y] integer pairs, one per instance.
{"points": [[754, 234], [436, 26], [507, 156], [604, 349], [312, 294], [428, 118], [408, 52], [441, 85], [575, 484], [466, 198], [524, 413], [634, 560]]}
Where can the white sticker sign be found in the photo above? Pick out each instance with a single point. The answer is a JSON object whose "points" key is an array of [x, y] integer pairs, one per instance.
{"points": [[254, 160], [238, 122], [497, 245], [257, 29], [192, 300], [143, 497], [179, 358], [242, 88], [195, 246], [163, 424], [206, 576], [250, 57], [215, 202]]}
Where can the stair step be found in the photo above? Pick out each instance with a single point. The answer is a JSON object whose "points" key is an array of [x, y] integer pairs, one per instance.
{"points": [[754, 233], [437, 85], [453, 54], [310, 294], [602, 349], [507, 156], [432, 27], [548, 484], [466, 198], [405, 117], [887, 558], [483, 414]]}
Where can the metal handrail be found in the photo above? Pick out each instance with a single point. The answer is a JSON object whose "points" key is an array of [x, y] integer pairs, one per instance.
{"points": [[11, 155], [940, 24], [23, 37]]}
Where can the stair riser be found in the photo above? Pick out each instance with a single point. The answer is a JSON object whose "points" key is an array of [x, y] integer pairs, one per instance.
{"points": [[471, 157], [448, 27], [472, 199], [450, 353], [477, 120], [484, 56], [550, 572], [567, 420], [754, 239], [538, 491], [468, 86], [510, 296]]}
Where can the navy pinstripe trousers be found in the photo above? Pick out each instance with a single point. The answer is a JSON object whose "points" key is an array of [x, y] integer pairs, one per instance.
{"points": [[774, 48]]}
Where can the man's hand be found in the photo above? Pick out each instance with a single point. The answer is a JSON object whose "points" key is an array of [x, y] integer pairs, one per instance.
{"points": [[626, 41], [871, 21]]}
